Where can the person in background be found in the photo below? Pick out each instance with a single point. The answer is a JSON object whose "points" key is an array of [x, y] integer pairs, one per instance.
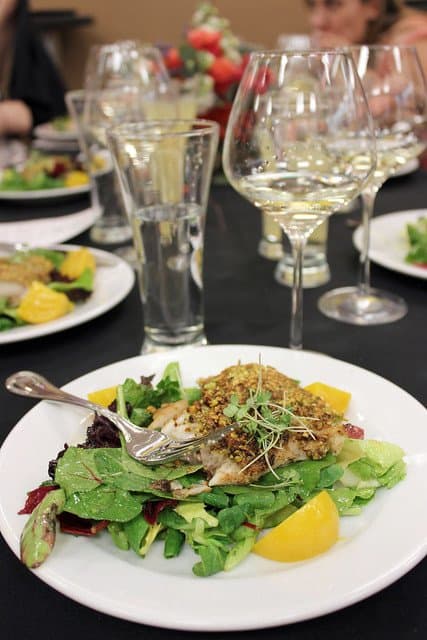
{"points": [[31, 90], [337, 23]]}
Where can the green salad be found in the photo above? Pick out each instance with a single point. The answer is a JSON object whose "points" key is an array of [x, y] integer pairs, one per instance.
{"points": [[96, 488], [417, 238], [39, 285]]}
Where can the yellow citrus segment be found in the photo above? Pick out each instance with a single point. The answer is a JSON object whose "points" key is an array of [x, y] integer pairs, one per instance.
{"points": [[104, 397], [76, 262], [337, 399], [309, 531], [42, 304], [76, 179]]}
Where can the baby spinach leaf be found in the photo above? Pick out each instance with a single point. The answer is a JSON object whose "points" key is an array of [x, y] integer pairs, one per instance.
{"points": [[330, 475], [118, 534], [212, 560], [85, 282], [76, 470], [103, 503], [136, 530], [231, 518]]}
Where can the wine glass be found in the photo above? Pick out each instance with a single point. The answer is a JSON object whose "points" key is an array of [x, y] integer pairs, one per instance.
{"points": [[119, 78], [318, 146], [397, 95]]}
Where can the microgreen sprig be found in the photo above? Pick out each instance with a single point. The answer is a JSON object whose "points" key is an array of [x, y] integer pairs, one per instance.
{"points": [[265, 420]]}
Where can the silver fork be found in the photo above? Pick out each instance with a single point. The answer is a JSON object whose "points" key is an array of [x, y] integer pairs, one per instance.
{"points": [[146, 445]]}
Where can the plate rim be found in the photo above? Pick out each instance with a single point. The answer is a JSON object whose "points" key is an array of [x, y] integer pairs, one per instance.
{"points": [[68, 321], [45, 131], [194, 624], [45, 194], [378, 257]]}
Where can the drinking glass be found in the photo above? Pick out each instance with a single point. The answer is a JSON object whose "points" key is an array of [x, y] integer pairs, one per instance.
{"points": [[165, 169], [397, 95], [119, 77], [318, 147]]}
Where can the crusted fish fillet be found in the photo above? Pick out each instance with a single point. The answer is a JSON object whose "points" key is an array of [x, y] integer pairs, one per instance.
{"points": [[231, 460]]}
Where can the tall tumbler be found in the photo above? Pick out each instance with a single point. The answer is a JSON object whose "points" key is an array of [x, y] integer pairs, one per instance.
{"points": [[165, 169]]}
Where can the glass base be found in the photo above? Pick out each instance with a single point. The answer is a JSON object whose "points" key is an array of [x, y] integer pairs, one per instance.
{"points": [[111, 230], [315, 272], [270, 250], [157, 342], [348, 304]]}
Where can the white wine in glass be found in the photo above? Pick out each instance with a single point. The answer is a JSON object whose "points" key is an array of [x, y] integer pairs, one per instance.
{"points": [[397, 96], [318, 147]]}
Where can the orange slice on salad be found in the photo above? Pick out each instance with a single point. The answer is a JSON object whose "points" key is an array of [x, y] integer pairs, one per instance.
{"points": [[76, 179], [76, 262], [307, 532], [337, 399], [104, 397], [42, 304]]}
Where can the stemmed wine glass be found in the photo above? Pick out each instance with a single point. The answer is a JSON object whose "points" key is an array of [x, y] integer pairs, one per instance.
{"points": [[318, 147], [397, 96], [119, 78]]}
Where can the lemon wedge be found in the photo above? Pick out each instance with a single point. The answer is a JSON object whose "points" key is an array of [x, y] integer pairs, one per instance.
{"points": [[76, 262], [42, 304], [337, 399], [104, 397], [308, 532]]}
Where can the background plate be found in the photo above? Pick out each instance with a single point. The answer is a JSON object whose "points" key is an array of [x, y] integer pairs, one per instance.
{"points": [[45, 194], [388, 242], [373, 551], [47, 131], [114, 279]]}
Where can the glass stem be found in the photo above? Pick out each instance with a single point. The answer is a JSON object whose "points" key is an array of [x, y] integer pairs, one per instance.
{"points": [[368, 201], [298, 243]]}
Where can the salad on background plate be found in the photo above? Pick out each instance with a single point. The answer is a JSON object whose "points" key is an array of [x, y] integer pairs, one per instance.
{"points": [[44, 290], [40, 285], [44, 171], [398, 241], [59, 129], [417, 238]]}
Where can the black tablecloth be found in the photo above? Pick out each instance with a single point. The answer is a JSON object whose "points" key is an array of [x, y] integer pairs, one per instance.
{"points": [[243, 305]]}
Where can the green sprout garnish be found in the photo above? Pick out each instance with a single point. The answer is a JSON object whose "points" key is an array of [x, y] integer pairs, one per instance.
{"points": [[265, 421]]}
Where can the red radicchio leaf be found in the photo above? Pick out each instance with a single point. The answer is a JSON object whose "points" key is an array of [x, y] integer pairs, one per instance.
{"points": [[70, 523], [57, 170], [357, 433], [35, 496], [153, 507]]}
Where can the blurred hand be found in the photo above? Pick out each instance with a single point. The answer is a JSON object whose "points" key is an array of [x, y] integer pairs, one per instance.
{"points": [[15, 118]]}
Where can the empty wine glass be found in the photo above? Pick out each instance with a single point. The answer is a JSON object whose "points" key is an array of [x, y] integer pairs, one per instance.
{"points": [[397, 96], [318, 147], [119, 77]]}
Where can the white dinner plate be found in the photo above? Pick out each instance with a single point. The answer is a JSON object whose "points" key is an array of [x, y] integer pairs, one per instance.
{"points": [[374, 549], [47, 131], [45, 194], [388, 244], [59, 192], [114, 279]]}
